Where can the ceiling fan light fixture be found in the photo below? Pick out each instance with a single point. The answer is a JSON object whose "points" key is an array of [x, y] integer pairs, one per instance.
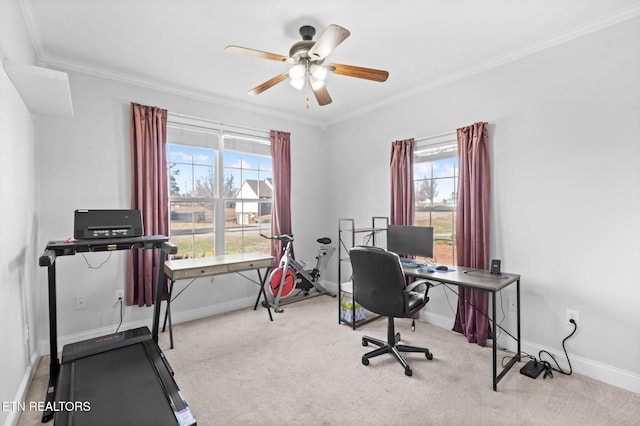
{"points": [[316, 84], [318, 72], [297, 72], [297, 83]]}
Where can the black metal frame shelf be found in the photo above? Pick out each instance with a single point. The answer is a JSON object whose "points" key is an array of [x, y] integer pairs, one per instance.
{"points": [[346, 240]]}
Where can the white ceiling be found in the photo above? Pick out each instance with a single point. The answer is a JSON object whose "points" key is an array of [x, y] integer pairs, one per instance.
{"points": [[178, 46]]}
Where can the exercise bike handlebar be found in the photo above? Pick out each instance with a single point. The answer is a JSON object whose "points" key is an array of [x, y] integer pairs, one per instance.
{"points": [[284, 237]]}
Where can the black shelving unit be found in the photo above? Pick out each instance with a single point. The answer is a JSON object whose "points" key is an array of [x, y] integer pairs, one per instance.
{"points": [[347, 233]]}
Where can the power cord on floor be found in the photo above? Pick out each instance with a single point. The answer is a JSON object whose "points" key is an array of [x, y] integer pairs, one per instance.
{"points": [[548, 368], [537, 365]]}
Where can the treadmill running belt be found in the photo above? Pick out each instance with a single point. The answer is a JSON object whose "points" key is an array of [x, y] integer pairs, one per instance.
{"points": [[122, 387]]}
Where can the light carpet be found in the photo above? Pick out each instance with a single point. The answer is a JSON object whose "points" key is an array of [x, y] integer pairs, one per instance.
{"points": [[305, 369]]}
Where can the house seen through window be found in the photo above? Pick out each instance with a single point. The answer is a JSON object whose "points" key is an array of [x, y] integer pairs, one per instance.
{"points": [[435, 175], [220, 189]]}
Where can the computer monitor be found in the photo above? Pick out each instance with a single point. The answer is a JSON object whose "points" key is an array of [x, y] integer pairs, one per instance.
{"points": [[410, 240]]}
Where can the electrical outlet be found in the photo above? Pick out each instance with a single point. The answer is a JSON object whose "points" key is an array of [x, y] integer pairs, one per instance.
{"points": [[512, 304], [572, 314], [81, 302], [119, 296]]}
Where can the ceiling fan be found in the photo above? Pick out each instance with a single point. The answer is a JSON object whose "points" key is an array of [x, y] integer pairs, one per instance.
{"points": [[307, 58]]}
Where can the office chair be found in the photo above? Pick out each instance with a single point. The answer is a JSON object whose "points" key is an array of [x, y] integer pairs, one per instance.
{"points": [[379, 285]]}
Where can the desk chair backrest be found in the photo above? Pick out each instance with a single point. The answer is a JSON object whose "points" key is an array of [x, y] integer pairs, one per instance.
{"points": [[379, 282]]}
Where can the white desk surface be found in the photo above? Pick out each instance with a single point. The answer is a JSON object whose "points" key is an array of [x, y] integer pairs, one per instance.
{"points": [[181, 269]]}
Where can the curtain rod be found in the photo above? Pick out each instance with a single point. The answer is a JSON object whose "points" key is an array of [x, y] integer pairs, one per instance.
{"points": [[192, 117], [426, 138]]}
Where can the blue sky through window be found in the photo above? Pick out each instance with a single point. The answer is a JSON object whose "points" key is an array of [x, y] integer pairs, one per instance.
{"points": [[193, 164], [442, 171]]}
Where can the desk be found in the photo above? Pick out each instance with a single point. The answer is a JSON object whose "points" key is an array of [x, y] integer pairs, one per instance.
{"points": [[183, 269], [485, 281]]}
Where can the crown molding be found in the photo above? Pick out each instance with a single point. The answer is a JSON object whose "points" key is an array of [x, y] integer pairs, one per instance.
{"points": [[160, 86], [32, 29], [605, 21]]}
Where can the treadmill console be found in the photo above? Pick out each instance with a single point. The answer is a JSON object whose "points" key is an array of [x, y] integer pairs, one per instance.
{"points": [[98, 224]]}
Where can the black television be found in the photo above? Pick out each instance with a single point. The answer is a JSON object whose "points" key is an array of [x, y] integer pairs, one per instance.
{"points": [[409, 240]]}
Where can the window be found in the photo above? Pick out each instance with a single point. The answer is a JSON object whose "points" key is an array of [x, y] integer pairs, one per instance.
{"points": [[220, 188], [248, 194], [435, 175]]}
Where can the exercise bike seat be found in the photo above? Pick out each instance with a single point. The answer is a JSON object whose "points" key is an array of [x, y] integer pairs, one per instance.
{"points": [[324, 240]]}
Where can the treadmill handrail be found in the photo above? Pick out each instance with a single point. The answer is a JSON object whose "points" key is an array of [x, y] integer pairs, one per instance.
{"points": [[48, 258], [169, 248]]}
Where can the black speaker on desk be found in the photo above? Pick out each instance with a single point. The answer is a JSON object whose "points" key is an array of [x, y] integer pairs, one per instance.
{"points": [[495, 266]]}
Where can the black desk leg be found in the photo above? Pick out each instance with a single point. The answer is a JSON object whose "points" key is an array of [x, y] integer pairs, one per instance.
{"points": [[495, 338], [518, 318], [262, 292], [516, 358], [167, 314], [54, 363]]}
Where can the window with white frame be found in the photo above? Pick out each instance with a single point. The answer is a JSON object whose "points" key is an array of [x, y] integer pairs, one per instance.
{"points": [[220, 188], [435, 176]]}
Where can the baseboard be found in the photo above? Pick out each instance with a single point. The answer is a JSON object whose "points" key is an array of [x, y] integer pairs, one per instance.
{"points": [[613, 376], [602, 372], [329, 286], [23, 389], [207, 311], [435, 319], [176, 317]]}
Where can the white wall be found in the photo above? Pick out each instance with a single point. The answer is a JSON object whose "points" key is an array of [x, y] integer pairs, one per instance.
{"points": [[564, 134], [85, 164], [19, 224], [564, 129]]}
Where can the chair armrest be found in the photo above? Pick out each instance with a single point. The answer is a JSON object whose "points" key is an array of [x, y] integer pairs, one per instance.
{"points": [[415, 300], [411, 289], [417, 283]]}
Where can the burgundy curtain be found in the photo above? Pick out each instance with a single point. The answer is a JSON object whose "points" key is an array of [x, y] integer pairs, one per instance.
{"points": [[149, 194], [281, 211], [402, 192], [472, 228]]}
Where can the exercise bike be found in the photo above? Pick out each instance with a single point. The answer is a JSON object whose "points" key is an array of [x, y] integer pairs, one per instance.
{"points": [[290, 275]]}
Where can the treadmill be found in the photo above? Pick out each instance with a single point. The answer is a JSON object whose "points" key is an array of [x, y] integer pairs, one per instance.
{"points": [[121, 378], [118, 379]]}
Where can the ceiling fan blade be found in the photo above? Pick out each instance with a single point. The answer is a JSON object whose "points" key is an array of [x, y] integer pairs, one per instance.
{"points": [[269, 83], [258, 53], [322, 95], [329, 40], [359, 72]]}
